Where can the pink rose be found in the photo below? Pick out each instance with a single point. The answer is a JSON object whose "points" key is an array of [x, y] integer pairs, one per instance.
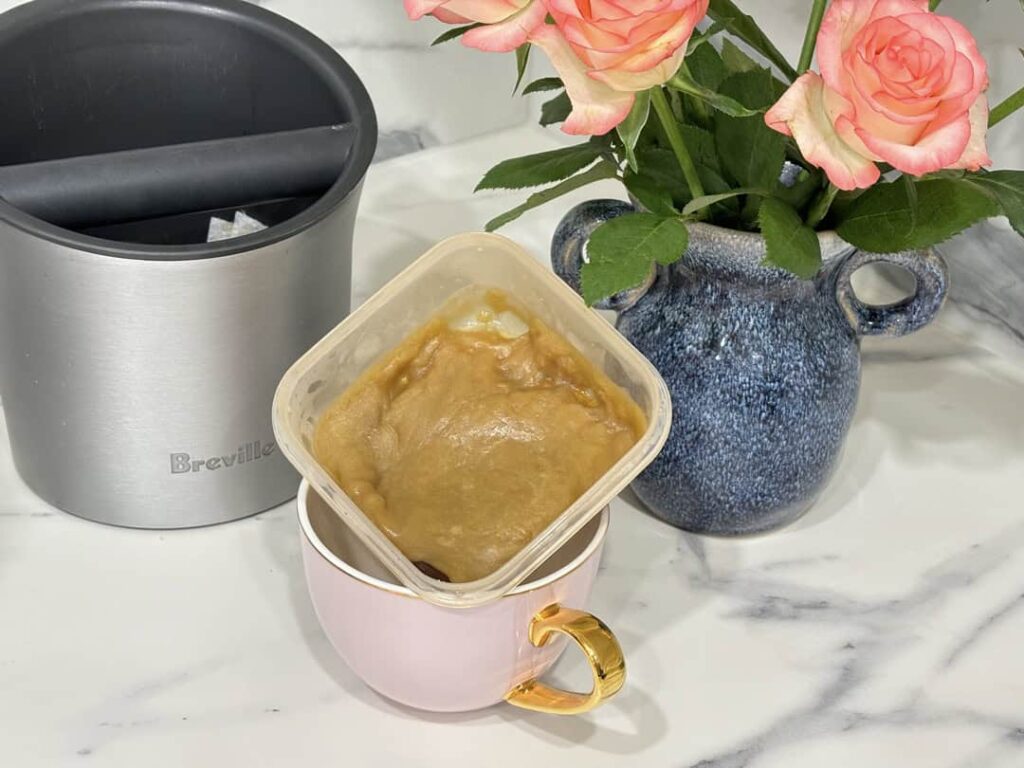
{"points": [[507, 23], [898, 84], [607, 50]]}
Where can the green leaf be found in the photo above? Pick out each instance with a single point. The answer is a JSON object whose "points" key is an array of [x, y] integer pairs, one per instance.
{"points": [[453, 33], [601, 171], [753, 88], [544, 84], [844, 203], [522, 59], [539, 169], [790, 244], [650, 194], [945, 173], [703, 202], [706, 67], [622, 250], [736, 60], [911, 192], [755, 152], [715, 184], [556, 110], [630, 128], [701, 144], [884, 220], [659, 169], [803, 189], [686, 84], [697, 39], [1007, 189], [745, 28]]}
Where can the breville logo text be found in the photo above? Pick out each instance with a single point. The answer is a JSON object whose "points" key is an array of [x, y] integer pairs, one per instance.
{"points": [[183, 463]]}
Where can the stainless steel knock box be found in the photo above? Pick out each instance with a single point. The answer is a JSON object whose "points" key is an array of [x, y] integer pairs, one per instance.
{"points": [[138, 362]]}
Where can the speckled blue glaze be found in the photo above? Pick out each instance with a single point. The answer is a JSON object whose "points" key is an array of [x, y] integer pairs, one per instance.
{"points": [[763, 367]]}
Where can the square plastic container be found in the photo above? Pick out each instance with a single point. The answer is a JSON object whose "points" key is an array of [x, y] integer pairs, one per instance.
{"points": [[455, 266]]}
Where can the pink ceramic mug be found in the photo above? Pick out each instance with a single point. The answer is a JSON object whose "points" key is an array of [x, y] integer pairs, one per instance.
{"points": [[458, 659]]}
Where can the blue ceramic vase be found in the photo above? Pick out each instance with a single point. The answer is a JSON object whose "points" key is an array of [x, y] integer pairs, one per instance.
{"points": [[763, 367]]}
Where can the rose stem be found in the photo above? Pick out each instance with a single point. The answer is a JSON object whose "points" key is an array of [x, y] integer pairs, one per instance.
{"points": [[811, 36], [933, 4], [821, 206], [1006, 107], [675, 138]]}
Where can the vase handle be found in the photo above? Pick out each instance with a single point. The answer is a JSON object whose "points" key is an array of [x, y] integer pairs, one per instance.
{"points": [[568, 249], [904, 316]]}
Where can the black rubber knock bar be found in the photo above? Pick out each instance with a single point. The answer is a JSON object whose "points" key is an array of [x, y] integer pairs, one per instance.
{"points": [[138, 184]]}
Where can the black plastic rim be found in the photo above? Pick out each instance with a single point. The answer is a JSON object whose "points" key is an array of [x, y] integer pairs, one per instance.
{"points": [[337, 75]]}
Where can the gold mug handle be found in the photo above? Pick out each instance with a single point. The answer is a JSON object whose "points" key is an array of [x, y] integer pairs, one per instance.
{"points": [[603, 653]]}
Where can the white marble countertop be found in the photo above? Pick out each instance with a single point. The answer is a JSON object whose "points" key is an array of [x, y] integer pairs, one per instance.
{"points": [[884, 629]]}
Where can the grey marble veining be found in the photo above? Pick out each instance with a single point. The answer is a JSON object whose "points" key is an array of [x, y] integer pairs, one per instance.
{"points": [[986, 266], [402, 142], [877, 634]]}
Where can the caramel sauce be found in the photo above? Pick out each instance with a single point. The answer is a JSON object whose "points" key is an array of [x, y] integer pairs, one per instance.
{"points": [[472, 436]]}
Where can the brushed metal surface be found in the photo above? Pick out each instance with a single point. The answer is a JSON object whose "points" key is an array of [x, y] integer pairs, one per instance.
{"points": [[109, 366], [137, 375]]}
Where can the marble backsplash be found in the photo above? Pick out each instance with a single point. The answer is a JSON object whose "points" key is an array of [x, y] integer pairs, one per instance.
{"points": [[986, 267], [428, 96], [424, 96]]}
